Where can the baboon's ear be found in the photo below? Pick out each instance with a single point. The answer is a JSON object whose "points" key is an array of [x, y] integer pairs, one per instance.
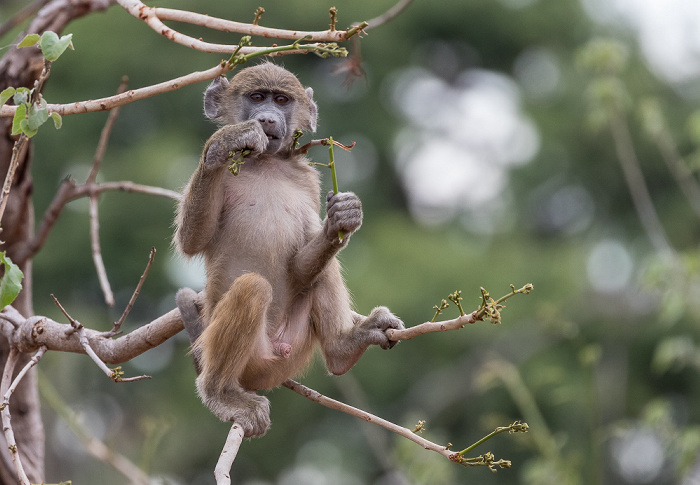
{"points": [[313, 110], [212, 97]]}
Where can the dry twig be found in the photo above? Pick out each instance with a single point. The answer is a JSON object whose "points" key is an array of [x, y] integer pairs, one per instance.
{"points": [[69, 191], [154, 17], [93, 445], [228, 455], [21, 16], [116, 329], [94, 199], [7, 419], [77, 327]]}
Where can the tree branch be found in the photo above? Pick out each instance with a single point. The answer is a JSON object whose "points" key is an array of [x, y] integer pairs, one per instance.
{"points": [[486, 459], [29, 334], [68, 192], [228, 455], [388, 15], [93, 445], [154, 17], [129, 96], [641, 199], [21, 16], [6, 418]]}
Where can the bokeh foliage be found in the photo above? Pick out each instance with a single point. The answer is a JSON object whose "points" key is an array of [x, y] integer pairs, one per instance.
{"points": [[595, 368]]}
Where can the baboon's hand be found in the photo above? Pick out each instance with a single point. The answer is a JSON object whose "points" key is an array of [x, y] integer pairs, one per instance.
{"points": [[377, 323], [235, 138], [344, 213]]}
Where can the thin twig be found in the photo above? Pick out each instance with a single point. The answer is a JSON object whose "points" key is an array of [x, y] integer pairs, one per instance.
{"points": [[228, 455], [105, 134], [352, 392], [129, 96], [429, 327], [679, 169], [132, 95], [32, 362], [97, 252], [94, 446], [486, 459], [319, 398], [388, 15], [7, 419], [94, 199], [114, 374], [637, 187], [68, 192], [118, 324], [75, 324], [489, 307], [24, 14], [324, 142], [5, 406], [17, 150]]}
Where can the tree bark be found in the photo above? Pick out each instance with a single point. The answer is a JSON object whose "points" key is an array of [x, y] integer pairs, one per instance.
{"points": [[21, 67]]}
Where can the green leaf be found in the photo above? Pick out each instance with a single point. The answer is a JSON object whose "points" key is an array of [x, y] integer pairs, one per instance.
{"points": [[37, 116], [29, 41], [11, 282], [20, 114], [52, 47], [6, 94], [21, 95], [27, 128], [57, 120]]}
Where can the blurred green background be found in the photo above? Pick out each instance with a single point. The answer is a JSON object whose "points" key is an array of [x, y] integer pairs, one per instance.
{"points": [[484, 157]]}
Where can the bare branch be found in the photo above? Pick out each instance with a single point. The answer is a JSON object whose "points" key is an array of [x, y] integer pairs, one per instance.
{"points": [[6, 418], [114, 374], [68, 192], [154, 17], [124, 186], [678, 168], [37, 331], [94, 217], [388, 15], [105, 134], [94, 446], [21, 16], [118, 324], [18, 148], [228, 455], [637, 186], [429, 327], [488, 308], [17, 155], [129, 96], [97, 252], [319, 398], [32, 362]]}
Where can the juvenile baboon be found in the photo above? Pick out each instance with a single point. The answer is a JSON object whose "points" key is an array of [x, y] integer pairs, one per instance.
{"points": [[273, 286]]}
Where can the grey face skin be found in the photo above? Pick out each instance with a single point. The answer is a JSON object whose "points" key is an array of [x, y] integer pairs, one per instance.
{"points": [[274, 113]]}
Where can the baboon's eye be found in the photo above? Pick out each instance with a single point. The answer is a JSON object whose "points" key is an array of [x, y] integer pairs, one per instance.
{"points": [[281, 99], [257, 97]]}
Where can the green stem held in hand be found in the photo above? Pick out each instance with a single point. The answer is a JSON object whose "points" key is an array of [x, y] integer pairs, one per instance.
{"points": [[331, 165]]}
